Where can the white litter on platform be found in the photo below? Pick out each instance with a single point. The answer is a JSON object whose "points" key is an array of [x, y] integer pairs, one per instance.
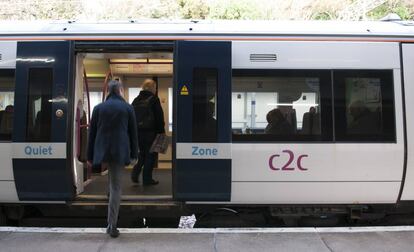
{"points": [[187, 221]]}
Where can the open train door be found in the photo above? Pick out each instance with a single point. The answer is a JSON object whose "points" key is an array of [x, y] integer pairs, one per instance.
{"points": [[44, 76], [202, 156]]}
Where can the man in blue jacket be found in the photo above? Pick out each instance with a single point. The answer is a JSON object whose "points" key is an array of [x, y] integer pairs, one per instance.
{"points": [[113, 143]]}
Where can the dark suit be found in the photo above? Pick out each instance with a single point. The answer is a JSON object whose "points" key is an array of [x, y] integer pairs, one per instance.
{"points": [[112, 143], [113, 132]]}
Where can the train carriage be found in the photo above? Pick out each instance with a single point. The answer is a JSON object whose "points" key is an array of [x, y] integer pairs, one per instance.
{"points": [[264, 115]]}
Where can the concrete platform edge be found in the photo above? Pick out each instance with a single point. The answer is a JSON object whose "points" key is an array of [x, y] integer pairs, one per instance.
{"points": [[210, 230]]}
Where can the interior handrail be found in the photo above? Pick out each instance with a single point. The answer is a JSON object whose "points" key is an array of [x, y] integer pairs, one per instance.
{"points": [[85, 80], [105, 86]]}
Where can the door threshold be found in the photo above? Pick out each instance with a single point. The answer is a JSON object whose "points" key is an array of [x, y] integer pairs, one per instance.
{"points": [[127, 203], [92, 197]]}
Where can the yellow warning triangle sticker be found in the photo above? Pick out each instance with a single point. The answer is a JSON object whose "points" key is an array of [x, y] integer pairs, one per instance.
{"points": [[184, 90]]}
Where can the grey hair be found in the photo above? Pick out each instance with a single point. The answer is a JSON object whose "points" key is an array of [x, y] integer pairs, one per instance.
{"points": [[114, 87]]}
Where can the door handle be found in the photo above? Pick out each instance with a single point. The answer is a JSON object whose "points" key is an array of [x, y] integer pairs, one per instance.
{"points": [[59, 113]]}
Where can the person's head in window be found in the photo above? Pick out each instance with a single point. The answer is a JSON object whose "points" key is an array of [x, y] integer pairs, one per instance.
{"points": [[277, 123], [149, 85], [275, 116], [9, 108], [312, 110]]}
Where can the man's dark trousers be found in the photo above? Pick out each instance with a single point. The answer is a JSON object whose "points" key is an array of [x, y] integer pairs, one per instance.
{"points": [[115, 192]]}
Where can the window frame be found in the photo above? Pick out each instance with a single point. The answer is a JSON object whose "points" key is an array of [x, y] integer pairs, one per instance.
{"points": [[325, 92]]}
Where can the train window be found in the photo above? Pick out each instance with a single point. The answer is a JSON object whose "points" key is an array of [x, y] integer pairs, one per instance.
{"points": [[281, 105], [39, 112], [6, 103], [96, 98], [364, 106], [133, 93], [204, 105]]}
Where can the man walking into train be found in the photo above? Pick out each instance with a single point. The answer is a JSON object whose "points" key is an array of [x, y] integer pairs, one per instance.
{"points": [[113, 143]]}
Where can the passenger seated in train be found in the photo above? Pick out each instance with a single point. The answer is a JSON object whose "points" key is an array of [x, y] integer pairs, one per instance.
{"points": [[277, 123], [6, 122], [363, 120], [311, 122]]}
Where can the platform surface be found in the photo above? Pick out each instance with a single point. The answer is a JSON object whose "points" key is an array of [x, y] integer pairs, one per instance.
{"points": [[282, 239]]}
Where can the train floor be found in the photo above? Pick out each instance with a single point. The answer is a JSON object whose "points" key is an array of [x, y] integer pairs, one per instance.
{"points": [[99, 185], [296, 239]]}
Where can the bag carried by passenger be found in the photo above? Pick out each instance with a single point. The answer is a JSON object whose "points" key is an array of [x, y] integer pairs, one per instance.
{"points": [[160, 144], [144, 113]]}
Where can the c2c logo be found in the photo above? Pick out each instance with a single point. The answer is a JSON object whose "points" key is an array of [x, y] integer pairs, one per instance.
{"points": [[287, 166]]}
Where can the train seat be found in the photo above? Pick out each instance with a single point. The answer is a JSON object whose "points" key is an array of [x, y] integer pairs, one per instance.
{"points": [[311, 124]]}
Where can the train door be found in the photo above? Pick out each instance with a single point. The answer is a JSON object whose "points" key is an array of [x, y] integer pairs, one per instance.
{"points": [[202, 158], [43, 79]]}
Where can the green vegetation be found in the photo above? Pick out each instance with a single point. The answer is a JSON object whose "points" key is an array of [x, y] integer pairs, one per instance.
{"points": [[205, 9], [404, 10]]}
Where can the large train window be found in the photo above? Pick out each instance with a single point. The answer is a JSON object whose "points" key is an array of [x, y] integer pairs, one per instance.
{"points": [[39, 112], [281, 105], [204, 105], [364, 106], [95, 98], [7, 85]]}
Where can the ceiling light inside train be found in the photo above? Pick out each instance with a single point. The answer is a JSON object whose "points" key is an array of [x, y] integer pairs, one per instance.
{"points": [[58, 99], [41, 60]]}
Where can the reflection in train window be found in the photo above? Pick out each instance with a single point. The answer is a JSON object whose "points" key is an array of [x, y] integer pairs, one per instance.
{"points": [[272, 105], [204, 105], [39, 112], [364, 106], [6, 103]]}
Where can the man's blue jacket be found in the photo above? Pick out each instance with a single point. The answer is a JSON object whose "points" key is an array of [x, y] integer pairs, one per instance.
{"points": [[113, 132]]}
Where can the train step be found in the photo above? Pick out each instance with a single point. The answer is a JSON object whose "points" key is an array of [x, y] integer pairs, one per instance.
{"points": [[126, 198]]}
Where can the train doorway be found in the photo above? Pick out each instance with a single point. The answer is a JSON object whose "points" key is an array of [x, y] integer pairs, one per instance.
{"points": [[131, 68]]}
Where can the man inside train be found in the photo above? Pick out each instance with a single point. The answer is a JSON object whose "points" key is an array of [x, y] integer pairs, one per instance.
{"points": [[150, 122]]}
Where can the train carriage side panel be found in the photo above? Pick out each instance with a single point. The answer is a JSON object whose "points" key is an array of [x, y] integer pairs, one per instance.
{"points": [[8, 50], [408, 68], [331, 170]]}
